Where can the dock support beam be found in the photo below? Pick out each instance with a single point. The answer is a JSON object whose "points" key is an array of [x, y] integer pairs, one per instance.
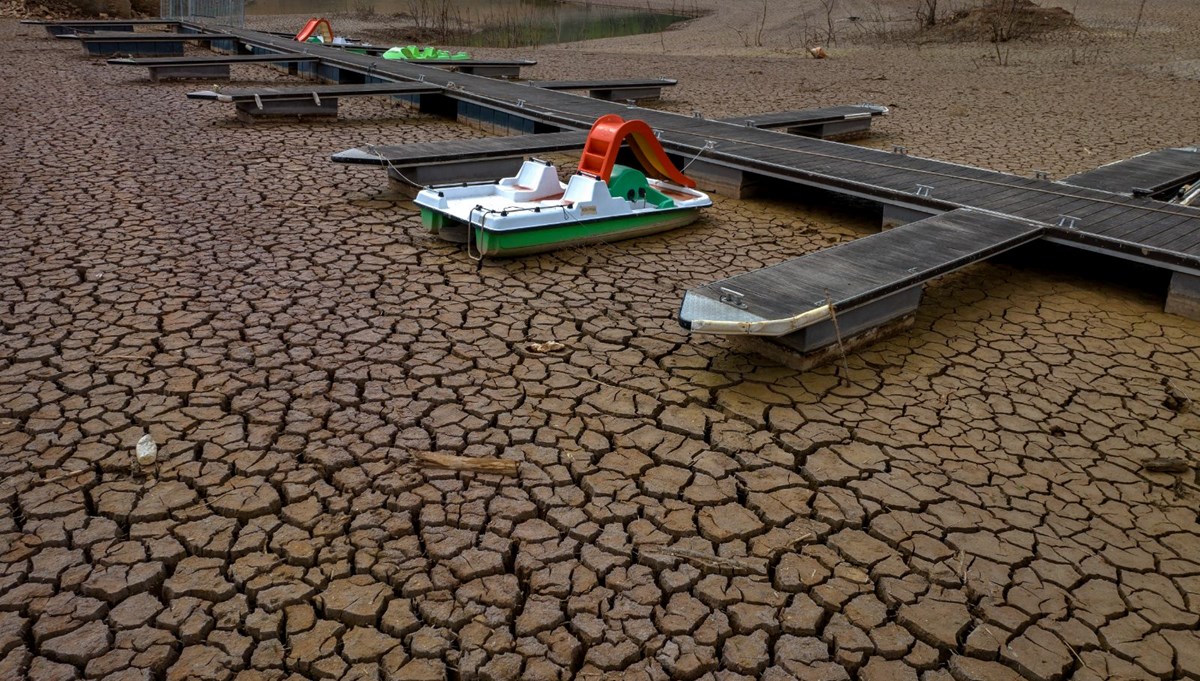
{"points": [[857, 328], [777, 350], [622, 94], [855, 321], [190, 72], [291, 109], [1183, 298], [894, 216], [720, 179], [851, 127]]}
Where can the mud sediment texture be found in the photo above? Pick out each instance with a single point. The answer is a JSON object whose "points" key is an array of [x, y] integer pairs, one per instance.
{"points": [[971, 505]]}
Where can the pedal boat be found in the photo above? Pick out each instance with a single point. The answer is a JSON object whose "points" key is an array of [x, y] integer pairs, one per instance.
{"points": [[533, 211]]}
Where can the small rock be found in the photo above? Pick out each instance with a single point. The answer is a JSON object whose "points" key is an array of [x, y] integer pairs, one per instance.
{"points": [[1167, 464]]}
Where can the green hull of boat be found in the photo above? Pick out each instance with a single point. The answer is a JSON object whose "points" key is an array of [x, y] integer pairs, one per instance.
{"points": [[576, 233]]}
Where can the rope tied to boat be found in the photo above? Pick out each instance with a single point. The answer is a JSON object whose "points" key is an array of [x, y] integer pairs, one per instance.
{"points": [[387, 162], [708, 144]]}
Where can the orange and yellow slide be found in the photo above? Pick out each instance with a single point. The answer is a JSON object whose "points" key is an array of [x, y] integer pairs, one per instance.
{"points": [[318, 26], [604, 141]]}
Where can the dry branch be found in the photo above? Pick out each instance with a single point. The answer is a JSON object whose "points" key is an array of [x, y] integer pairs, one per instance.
{"points": [[477, 464]]}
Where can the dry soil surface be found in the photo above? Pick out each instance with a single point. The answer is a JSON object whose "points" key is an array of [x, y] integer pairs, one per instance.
{"points": [[971, 502]]}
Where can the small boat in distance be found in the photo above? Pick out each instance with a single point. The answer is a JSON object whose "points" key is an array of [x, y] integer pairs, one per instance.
{"points": [[602, 202]]}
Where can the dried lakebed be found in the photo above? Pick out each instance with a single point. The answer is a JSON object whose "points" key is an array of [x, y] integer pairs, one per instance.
{"points": [[972, 504]]}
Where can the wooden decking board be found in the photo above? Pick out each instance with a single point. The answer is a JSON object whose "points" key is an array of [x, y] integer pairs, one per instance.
{"points": [[1153, 170], [1137, 223], [1143, 222], [999, 198], [1102, 212], [961, 193], [1049, 211], [1163, 231], [1114, 216], [958, 191], [1086, 212], [1002, 199], [1184, 241], [1036, 206], [1178, 237]]}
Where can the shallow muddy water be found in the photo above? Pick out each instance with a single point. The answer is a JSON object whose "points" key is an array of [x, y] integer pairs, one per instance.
{"points": [[503, 23]]}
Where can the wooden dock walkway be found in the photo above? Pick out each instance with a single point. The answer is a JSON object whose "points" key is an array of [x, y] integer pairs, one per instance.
{"points": [[729, 155], [494, 157], [65, 27], [304, 101], [612, 90], [112, 43], [425, 163], [869, 281], [1151, 174], [216, 67], [825, 122]]}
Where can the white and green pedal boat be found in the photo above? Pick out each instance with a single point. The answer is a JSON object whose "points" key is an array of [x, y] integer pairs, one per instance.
{"points": [[604, 201]]}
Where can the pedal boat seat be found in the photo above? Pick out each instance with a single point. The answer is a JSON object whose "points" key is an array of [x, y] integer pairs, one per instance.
{"points": [[535, 180]]}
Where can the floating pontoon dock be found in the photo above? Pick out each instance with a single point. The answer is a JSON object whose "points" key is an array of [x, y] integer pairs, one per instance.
{"points": [[111, 43], [1155, 174], [869, 281], [304, 101], [491, 158], [733, 158], [70, 26], [216, 67]]}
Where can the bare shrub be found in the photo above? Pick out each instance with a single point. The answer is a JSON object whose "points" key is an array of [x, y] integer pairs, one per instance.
{"points": [[997, 21], [1138, 23], [927, 12]]}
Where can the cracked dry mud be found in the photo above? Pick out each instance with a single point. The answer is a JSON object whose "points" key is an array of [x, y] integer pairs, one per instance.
{"points": [[971, 505]]}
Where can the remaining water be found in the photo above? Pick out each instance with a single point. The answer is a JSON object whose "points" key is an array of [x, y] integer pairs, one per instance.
{"points": [[501, 23]]}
